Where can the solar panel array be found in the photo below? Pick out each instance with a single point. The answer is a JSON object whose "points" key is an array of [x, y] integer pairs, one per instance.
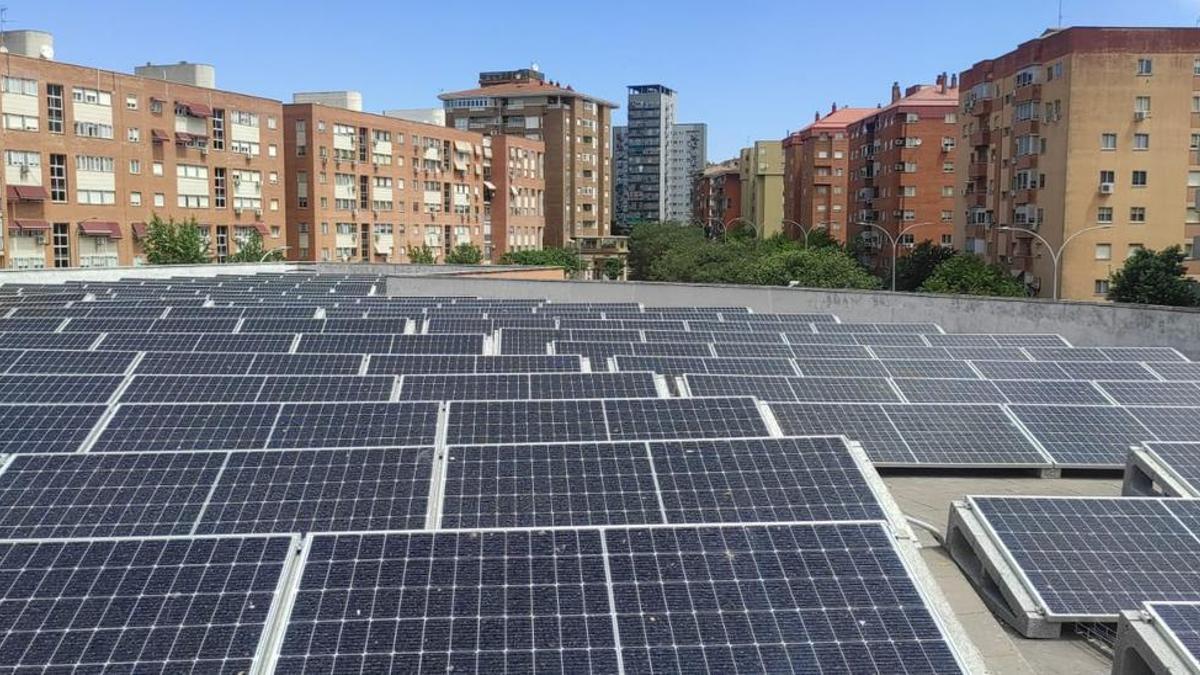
{"points": [[290, 473]]}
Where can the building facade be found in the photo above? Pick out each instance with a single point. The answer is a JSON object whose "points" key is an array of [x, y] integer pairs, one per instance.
{"points": [[514, 174], [92, 155], [1077, 129], [370, 188], [576, 129], [718, 196], [761, 167], [816, 174], [902, 168], [689, 156]]}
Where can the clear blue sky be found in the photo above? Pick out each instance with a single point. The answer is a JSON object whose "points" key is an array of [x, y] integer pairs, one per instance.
{"points": [[750, 68]]}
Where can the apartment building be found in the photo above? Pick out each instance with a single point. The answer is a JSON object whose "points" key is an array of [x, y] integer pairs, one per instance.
{"points": [[576, 129], [364, 187], [1089, 136], [514, 181], [658, 159], [902, 168], [761, 167], [718, 195], [816, 173], [91, 155]]}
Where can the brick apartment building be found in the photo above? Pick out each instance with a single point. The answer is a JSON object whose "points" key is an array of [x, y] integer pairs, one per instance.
{"points": [[364, 187], [902, 167], [816, 173], [761, 168], [718, 195], [576, 129], [1076, 129], [91, 155]]}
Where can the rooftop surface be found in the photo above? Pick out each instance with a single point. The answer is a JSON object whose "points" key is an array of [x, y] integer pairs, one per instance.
{"points": [[290, 470]]}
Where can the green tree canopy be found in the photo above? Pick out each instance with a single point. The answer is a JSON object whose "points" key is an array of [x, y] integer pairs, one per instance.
{"points": [[650, 241], [174, 243], [967, 274], [915, 267], [1154, 278], [464, 254], [421, 255], [252, 250], [613, 268], [546, 257]]}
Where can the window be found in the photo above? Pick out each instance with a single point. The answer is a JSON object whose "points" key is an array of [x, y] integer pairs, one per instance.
{"points": [[947, 190], [135, 166], [1108, 177], [1145, 67], [131, 102], [1141, 141], [218, 129], [908, 191], [271, 121], [272, 150], [951, 118], [947, 167], [156, 106], [1196, 66], [1141, 104], [99, 197], [947, 216], [1104, 214], [1195, 144], [91, 96], [1103, 251], [54, 108], [1108, 141], [58, 178], [156, 168], [133, 135], [947, 240], [93, 130], [94, 163], [1133, 248], [219, 187], [1137, 214], [1101, 287], [160, 200], [192, 201], [135, 199], [1139, 179], [18, 85]]}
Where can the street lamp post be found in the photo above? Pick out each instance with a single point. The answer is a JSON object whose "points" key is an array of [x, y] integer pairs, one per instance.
{"points": [[270, 251], [806, 231], [895, 242], [732, 221], [1055, 254]]}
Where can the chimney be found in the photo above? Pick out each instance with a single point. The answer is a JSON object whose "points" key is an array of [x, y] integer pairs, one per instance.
{"points": [[954, 81], [895, 92], [817, 116], [834, 109], [941, 82]]}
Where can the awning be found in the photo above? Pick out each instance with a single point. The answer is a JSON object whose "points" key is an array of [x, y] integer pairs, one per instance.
{"points": [[489, 185], [26, 225], [100, 228], [460, 165], [159, 136], [263, 229], [195, 109], [513, 188], [462, 146], [182, 137], [139, 230], [432, 154], [27, 193]]}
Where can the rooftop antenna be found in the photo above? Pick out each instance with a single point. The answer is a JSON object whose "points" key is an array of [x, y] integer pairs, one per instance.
{"points": [[3, 26], [1060, 23]]}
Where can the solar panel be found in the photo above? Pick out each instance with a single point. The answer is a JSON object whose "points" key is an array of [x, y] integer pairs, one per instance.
{"points": [[762, 480], [1051, 391], [192, 363], [867, 424], [1143, 354], [843, 389], [985, 353], [349, 343], [258, 324], [372, 325], [1153, 393], [302, 388], [446, 343], [150, 342], [506, 601], [1168, 424], [114, 494], [1083, 435], [539, 363], [187, 426], [58, 388], [841, 368], [1148, 554], [1031, 340], [593, 385], [1105, 370], [962, 340], [49, 341], [138, 605], [1066, 354], [1181, 459], [949, 391], [208, 325], [306, 364], [761, 350], [464, 387], [1181, 621], [648, 419], [191, 389], [106, 324], [889, 339], [1176, 371], [260, 343], [46, 428], [784, 598], [570, 484], [320, 491], [603, 350], [911, 353], [480, 422], [829, 352], [957, 370], [763, 388], [30, 325], [329, 425], [1020, 370], [810, 338]]}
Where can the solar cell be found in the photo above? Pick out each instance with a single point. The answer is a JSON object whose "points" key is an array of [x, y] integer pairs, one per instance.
{"points": [[447, 343], [843, 389], [320, 491], [1031, 340], [888, 339], [1142, 354], [958, 370], [330, 425], [480, 422], [30, 325], [1105, 370], [104, 495], [1153, 393], [1051, 391], [375, 326], [767, 351], [191, 389], [911, 353], [1168, 424], [1147, 553], [290, 388], [762, 480], [539, 363], [192, 363], [962, 340], [327, 343], [949, 391], [58, 388], [810, 338], [259, 343], [868, 424], [46, 428], [106, 324], [841, 368], [306, 364], [985, 353], [763, 388], [648, 419], [187, 426], [570, 484], [464, 387], [1020, 370], [829, 352], [593, 385], [1181, 620], [963, 435], [46, 341], [207, 325], [1083, 435], [138, 605], [257, 324], [489, 602], [1066, 354], [149, 342], [1176, 371]]}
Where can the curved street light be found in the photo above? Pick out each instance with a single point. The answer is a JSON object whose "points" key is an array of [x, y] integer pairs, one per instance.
{"points": [[730, 223], [1055, 254], [270, 251], [806, 231], [895, 242]]}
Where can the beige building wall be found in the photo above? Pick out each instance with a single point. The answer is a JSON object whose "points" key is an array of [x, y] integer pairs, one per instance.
{"points": [[762, 186]]}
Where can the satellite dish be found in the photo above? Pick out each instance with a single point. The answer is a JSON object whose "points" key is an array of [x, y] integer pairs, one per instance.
{"points": [[535, 67], [46, 52]]}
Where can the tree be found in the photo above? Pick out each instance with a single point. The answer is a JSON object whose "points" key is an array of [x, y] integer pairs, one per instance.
{"points": [[812, 268], [650, 241], [171, 243], [1154, 278], [920, 262], [967, 274], [613, 268], [422, 255], [546, 257], [252, 250], [464, 254]]}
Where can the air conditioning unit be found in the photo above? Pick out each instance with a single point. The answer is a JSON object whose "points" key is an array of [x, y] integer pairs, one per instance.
{"points": [[258, 212], [1141, 115], [237, 211], [1106, 188], [203, 151]]}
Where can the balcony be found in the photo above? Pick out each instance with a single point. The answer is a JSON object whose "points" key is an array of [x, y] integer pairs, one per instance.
{"points": [[977, 200], [1025, 162], [1026, 127], [99, 260], [977, 170], [981, 138], [1032, 92], [980, 108], [1024, 197], [27, 262]]}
